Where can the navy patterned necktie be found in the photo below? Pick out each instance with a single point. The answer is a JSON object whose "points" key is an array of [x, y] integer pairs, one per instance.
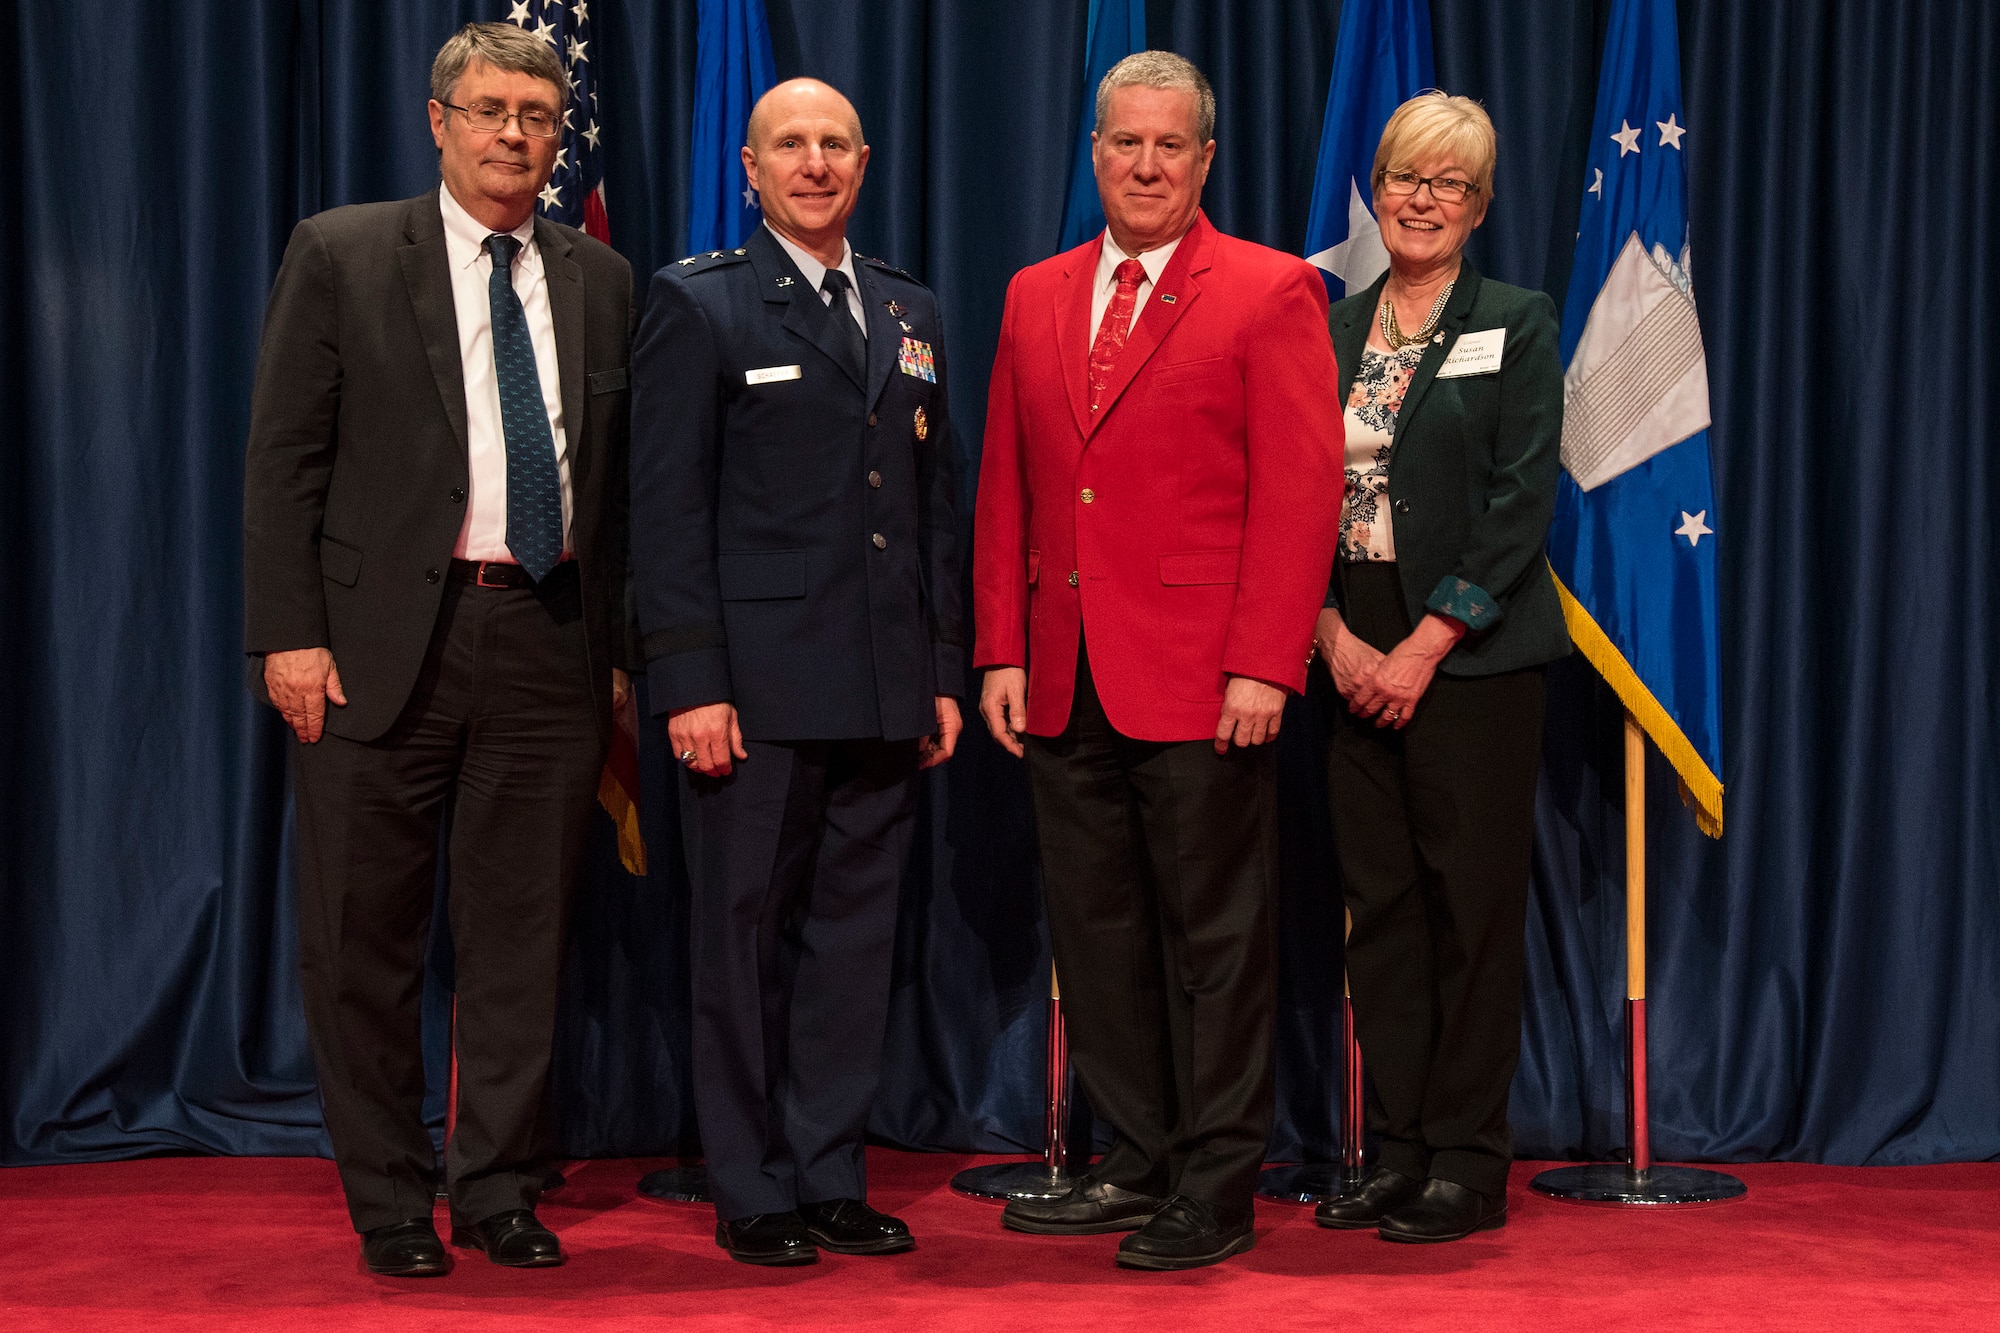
{"points": [[534, 484], [845, 331]]}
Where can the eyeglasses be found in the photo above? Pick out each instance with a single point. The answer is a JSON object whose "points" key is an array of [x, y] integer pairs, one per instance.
{"points": [[1444, 189], [534, 122]]}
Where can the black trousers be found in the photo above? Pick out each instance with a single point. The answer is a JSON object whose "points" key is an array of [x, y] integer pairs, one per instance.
{"points": [[796, 860], [1435, 829], [1159, 863], [501, 722]]}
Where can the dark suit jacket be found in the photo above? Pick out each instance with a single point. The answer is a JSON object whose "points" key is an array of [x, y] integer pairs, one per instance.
{"points": [[1472, 479], [355, 483], [794, 549]]}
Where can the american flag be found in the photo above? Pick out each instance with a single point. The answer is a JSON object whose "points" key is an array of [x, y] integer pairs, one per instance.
{"points": [[574, 196], [575, 193]]}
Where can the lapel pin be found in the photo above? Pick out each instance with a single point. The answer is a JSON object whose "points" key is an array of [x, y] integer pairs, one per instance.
{"points": [[923, 425], [906, 326], [896, 311], [784, 281], [1168, 297]]}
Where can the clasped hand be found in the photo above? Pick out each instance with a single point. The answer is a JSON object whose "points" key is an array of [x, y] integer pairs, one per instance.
{"points": [[1385, 686]]}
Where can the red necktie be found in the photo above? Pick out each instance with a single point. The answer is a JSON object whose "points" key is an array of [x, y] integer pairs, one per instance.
{"points": [[1117, 323]]}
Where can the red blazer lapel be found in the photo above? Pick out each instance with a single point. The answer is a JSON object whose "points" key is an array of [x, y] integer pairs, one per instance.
{"points": [[1073, 331], [1170, 299]]}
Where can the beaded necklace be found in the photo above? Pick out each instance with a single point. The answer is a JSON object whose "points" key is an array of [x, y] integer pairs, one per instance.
{"points": [[1395, 337]]}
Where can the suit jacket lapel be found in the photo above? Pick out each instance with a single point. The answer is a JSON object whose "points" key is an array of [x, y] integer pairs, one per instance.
{"points": [[564, 277], [885, 335], [427, 276], [1074, 334], [1351, 337], [1176, 291], [807, 316], [1449, 324]]}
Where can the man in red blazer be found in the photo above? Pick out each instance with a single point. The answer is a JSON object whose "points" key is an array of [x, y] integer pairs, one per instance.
{"points": [[1158, 506]]}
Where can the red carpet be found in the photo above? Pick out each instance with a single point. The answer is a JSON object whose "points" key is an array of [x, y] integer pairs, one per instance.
{"points": [[208, 1244]]}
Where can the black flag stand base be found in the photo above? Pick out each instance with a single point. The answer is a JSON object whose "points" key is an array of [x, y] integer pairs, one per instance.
{"points": [[1641, 1183], [678, 1184], [1049, 1178]]}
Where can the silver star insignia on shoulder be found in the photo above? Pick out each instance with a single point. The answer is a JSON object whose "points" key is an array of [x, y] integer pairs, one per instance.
{"points": [[784, 281], [685, 262], [741, 251], [715, 254]]}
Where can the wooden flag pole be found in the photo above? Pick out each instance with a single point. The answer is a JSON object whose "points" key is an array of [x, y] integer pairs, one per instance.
{"points": [[1639, 1182], [1319, 1182], [998, 1182]]}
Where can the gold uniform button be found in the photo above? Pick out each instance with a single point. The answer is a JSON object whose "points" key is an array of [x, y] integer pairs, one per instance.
{"points": [[881, 542], [1073, 579], [875, 480], [1088, 495]]}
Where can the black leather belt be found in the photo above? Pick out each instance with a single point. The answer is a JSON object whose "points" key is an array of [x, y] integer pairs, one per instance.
{"points": [[500, 574]]}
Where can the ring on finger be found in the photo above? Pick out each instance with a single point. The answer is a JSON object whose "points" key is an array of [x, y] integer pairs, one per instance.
{"points": [[687, 756]]}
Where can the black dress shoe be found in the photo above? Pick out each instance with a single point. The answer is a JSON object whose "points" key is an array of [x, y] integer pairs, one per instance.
{"points": [[1381, 1194], [1091, 1208], [512, 1239], [850, 1226], [405, 1249], [776, 1240], [1188, 1233], [1443, 1211]]}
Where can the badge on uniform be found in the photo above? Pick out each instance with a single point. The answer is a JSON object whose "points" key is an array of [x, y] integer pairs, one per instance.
{"points": [[923, 425], [915, 359], [895, 310]]}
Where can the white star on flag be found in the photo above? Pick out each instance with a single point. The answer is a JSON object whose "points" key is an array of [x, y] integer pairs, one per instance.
{"points": [[581, 10], [750, 198], [591, 134], [1360, 259], [576, 50], [1597, 186], [551, 196], [1693, 528], [562, 158], [1628, 139], [1670, 133], [545, 31], [519, 16]]}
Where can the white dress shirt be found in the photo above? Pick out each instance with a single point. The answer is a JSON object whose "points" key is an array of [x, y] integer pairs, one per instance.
{"points": [[483, 534], [1109, 258], [814, 272]]}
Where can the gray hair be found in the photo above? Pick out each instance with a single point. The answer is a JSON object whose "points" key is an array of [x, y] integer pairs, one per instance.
{"points": [[1160, 69], [503, 46]]}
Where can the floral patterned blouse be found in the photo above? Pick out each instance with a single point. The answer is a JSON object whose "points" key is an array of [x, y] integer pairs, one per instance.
{"points": [[1379, 386]]}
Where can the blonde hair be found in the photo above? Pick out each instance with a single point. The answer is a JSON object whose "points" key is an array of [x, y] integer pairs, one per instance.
{"points": [[1432, 125]]}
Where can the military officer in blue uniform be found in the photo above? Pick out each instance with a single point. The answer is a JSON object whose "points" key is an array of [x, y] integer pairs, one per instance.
{"points": [[796, 566]]}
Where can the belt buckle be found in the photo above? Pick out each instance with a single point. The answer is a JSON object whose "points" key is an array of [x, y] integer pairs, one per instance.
{"points": [[479, 575]]}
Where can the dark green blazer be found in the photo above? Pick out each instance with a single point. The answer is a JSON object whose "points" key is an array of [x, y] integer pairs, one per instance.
{"points": [[1472, 479]]}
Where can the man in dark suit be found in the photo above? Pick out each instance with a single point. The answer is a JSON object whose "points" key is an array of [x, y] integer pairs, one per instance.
{"points": [[795, 559], [434, 553], [1158, 499]]}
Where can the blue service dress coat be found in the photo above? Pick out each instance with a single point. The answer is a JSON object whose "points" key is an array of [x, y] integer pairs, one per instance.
{"points": [[794, 546]]}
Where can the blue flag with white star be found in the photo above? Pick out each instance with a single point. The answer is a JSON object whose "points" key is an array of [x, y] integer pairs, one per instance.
{"points": [[1634, 540], [1114, 30], [733, 67], [1381, 59]]}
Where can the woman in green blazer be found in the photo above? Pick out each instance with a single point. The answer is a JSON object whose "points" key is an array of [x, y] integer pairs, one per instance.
{"points": [[1441, 615]]}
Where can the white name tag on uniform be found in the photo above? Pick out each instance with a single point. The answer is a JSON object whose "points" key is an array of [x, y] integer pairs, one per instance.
{"points": [[1474, 354], [770, 374]]}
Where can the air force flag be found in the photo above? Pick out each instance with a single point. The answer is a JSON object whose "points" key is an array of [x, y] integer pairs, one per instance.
{"points": [[1381, 59], [733, 67], [1634, 539]]}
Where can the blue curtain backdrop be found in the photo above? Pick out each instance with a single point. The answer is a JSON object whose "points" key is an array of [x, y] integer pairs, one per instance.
{"points": [[1826, 982]]}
